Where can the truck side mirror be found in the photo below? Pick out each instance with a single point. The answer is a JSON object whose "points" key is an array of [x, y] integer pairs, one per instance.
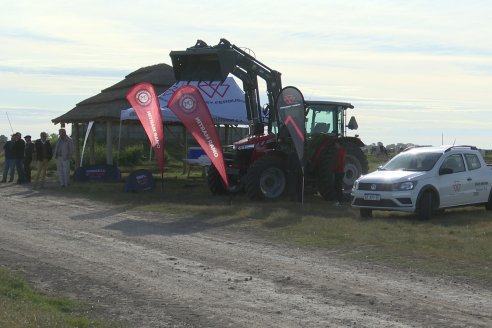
{"points": [[352, 125]]}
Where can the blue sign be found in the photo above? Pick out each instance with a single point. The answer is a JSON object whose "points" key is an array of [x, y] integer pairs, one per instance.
{"points": [[139, 180], [97, 173]]}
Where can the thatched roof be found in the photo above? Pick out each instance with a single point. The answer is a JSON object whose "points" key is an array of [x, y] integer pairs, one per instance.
{"points": [[108, 104]]}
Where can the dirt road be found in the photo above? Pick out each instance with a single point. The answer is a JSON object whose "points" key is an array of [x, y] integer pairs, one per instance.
{"points": [[156, 271]]}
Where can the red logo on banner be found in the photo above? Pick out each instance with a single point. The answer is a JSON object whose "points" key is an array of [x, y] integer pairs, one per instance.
{"points": [[143, 97], [188, 105], [290, 120], [289, 99]]}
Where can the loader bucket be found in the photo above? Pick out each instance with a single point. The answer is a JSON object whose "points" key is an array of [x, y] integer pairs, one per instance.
{"points": [[202, 64]]}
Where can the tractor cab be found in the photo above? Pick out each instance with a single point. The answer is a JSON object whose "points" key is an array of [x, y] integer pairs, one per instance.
{"points": [[326, 118]]}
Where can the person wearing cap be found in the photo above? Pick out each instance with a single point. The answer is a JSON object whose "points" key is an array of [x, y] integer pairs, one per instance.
{"points": [[44, 154], [28, 152], [19, 147], [9, 164], [63, 156]]}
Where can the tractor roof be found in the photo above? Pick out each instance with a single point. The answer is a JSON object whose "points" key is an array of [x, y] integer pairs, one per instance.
{"points": [[329, 103]]}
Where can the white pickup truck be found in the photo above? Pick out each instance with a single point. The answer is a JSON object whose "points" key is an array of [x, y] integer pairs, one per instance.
{"points": [[424, 180]]}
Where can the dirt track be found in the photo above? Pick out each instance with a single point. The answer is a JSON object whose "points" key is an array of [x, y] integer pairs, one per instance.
{"points": [[156, 271]]}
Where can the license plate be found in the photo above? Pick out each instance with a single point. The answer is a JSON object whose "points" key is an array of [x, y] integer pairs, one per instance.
{"points": [[372, 197]]}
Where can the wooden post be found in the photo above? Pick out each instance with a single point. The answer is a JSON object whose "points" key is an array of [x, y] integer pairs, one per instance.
{"points": [[92, 141], [109, 143], [226, 134], [185, 148], [76, 143]]}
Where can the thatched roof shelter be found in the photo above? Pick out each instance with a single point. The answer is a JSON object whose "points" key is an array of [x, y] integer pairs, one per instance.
{"points": [[107, 105]]}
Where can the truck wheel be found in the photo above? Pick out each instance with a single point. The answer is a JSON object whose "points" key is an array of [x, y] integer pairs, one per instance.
{"points": [[215, 183], [366, 212], [488, 205], [266, 178], [324, 174], [355, 165], [425, 206]]}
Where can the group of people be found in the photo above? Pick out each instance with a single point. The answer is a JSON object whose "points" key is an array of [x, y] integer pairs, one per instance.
{"points": [[20, 153]]}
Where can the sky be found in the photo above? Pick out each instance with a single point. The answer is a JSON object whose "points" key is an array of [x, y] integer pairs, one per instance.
{"points": [[416, 71]]}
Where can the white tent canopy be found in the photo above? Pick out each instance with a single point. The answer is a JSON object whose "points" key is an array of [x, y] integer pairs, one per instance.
{"points": [[224, 100]]}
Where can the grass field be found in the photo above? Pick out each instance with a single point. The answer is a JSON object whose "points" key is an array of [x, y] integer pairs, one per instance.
{"points": [[22, 307]]}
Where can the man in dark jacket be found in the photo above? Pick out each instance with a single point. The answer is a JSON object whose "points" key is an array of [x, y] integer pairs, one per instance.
{"points": [[19, 148], [28, 152], [9, 165], [44, 153]]}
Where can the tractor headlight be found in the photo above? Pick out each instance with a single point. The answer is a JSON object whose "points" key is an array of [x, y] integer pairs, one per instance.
{"points": [[244, 147]]}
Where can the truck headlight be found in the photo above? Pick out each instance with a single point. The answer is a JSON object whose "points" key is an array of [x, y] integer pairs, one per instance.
{"points": [[356, 185], [407, 185]]}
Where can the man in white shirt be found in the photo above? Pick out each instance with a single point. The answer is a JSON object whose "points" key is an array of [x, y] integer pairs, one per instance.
{"points": [[63, 156]]}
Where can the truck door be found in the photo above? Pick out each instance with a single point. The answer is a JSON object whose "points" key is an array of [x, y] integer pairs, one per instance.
{"points": [[480, 188], [454, 181]]}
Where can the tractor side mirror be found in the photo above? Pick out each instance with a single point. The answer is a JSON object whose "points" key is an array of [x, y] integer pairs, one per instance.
{"points": [[352, 125]]}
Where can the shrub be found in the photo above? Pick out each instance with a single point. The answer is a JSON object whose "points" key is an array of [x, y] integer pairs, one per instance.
{"points": [[127, 156], [131, 155]]}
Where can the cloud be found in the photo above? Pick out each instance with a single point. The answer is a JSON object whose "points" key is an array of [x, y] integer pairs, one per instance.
{"points": [[433, 49], [65, 71], [29, 113], [480, 69], [26, 35]]}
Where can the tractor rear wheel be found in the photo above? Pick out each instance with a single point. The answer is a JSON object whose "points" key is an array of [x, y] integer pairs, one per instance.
{"points": [[266, 178], [324, 173], [355, 165]]}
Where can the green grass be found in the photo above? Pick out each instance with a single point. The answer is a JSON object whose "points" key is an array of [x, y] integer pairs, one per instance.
{"points": [[457, 244], [22, 307]]}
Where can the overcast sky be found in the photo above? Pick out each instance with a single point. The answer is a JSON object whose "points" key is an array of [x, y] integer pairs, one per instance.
{"points": [[416, 71]]}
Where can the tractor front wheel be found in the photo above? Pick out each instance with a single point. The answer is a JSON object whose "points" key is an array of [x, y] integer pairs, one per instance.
{"points": [[266, 178], [215, 183]]}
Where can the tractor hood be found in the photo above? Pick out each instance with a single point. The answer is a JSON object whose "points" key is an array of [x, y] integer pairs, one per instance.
{"points": [[264, 141]]}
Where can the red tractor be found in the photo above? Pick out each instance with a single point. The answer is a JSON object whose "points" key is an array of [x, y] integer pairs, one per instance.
{"points": [[264, 164]]}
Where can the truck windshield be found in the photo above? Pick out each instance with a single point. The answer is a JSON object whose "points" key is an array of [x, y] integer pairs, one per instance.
{"points": [[412, 162]]}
